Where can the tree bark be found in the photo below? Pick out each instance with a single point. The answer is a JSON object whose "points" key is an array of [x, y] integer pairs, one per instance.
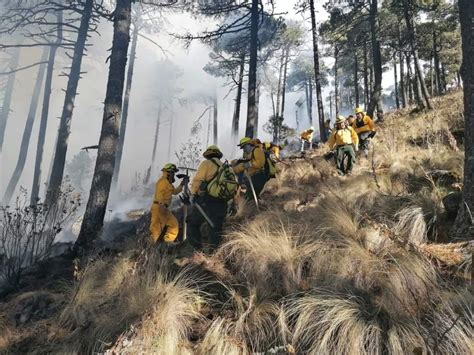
{"points": [[402, 90], [252, 114], [257, 103], [215, 136], [310, 92], [366, 77], [280, 79], [317, 72], [376, 96], [336, 79], [283, 87], [104, 168], [356, 80], [157, 133], [439, 88], [25, 141], [126, 103], [57, 171], [308, 103], [7, 99], [397, 97], [409, 79], [464, 224], [238, 99], [411, 27], [35, 189]]}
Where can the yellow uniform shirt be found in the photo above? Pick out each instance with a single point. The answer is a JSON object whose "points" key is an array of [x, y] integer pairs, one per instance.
{"points": [[164, 191], [307, 135], [343, 137], [205, 172], [257, 162], [364, 125]]}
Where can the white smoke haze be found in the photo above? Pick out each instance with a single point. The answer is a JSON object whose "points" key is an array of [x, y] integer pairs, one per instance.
{"points": [[194, 82]]}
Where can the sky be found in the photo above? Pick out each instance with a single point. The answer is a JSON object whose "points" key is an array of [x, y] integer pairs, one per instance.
{"points": [[194, 82]]}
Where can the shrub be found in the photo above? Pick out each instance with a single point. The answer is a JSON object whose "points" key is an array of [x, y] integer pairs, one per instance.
{"points": [[27, 232]]}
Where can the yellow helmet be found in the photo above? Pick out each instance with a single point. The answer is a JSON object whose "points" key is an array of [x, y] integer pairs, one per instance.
{"points": [[340, 119], [359, 110], [212, 150], [267, 145], [244, 141], [171, 168]]}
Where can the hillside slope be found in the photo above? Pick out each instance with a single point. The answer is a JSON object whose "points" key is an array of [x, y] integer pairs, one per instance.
{"points": [[360, 264]]}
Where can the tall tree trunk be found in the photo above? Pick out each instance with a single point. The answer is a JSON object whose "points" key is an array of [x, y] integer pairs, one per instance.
{"points": [[64, 131], [280, 79], [330, 105], [251, 127], [7, 99], [439, 88], [283, 97], [238, 99], [397, 97], [35, 189], [411, 27], [104, 168], [317, 72], [257, 103], [126, 102], [444, 78], [336, 79], [25, 141], [308, 102], [366, 76], [310, 92], [356, 79], [432, 93], [464, 224], [215, 136], [402, 90], [157, 133], [409, 79], [376, 97]]}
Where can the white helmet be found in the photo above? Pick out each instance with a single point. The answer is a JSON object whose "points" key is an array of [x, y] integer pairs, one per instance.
{"points": [[311, 128]]}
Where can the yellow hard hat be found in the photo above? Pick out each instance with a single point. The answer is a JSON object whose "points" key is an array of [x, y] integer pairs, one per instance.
{"points": [[244, 141], [267, 145], [340, 119], [359, 110], [212, 150], [170, 168]]}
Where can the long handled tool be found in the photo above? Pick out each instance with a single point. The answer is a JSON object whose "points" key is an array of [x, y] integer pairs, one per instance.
{"points": [[253, 191], [185, 207], [186, 201]]}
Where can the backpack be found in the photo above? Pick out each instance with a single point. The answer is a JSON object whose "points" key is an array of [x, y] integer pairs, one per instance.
{"points": [[270, 168], [223, 185]]}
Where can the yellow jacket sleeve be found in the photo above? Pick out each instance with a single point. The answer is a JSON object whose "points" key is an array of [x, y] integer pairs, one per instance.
{"points": [[354, 136], [370, 123], [258, 159], [199, 177], [332, 140]]}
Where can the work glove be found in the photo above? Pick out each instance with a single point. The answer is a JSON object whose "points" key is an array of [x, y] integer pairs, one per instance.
{"points": [[185, 199], [356, 148]]}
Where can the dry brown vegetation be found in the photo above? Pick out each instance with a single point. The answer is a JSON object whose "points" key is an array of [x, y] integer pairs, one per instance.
{"points": [[332, 265]]}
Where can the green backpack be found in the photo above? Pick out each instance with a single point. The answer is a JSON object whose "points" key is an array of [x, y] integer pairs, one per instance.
{"points": [[224, 184]]}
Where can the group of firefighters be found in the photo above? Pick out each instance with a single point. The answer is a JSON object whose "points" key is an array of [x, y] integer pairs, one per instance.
{"points": [[216, 182]]}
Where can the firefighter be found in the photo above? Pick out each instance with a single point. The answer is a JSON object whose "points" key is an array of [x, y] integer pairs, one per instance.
{"points": [[211, 193], [365, 129], [164, 226], [253, 165], [345, 139], [307, 137]]}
